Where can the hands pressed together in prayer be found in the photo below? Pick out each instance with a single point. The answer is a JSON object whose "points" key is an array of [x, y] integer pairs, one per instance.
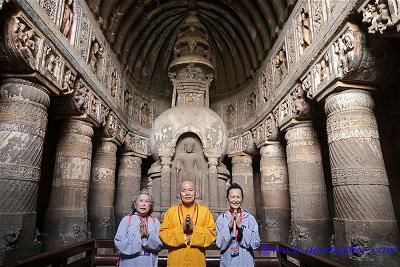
{"points": [[235, 220], [188, 226], [143, 230]]}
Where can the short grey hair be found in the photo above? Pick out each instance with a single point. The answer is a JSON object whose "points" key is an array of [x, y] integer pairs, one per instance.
{"points": [[136, 197]]}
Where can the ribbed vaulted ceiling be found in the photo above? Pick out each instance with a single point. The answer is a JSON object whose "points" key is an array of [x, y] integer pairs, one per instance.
{"points": [[143, 33]]}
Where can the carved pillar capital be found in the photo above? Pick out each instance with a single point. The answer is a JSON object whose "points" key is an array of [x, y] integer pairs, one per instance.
{"points": [[21, 90], [348, 99]]}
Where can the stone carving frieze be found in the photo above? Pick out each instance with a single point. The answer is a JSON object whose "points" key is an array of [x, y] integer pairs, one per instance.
{"points": [[26, 41], [338, 61], [137, 144], [308, 21], [243, 143], [378, 15], [266, 131]]}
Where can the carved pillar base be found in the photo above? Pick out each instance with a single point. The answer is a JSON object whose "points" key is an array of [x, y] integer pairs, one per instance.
{"points": [[129, 176], [23, 123], [275, 195], [310, 222], [242, 173], [66, 218], [102, 189], [364, 213]]}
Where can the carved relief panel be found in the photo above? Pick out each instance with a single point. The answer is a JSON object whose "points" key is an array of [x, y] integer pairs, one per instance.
{"points": [[27, 41], [280, 66], [95, 57], [318, 15], [304, 30]]}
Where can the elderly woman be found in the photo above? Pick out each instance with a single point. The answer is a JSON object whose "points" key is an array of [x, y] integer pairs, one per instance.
{"points": [[237, 231], [137, 238]]}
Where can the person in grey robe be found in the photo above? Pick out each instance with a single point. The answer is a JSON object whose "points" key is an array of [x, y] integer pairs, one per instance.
{"points": [[237, 231], [137, 238]]}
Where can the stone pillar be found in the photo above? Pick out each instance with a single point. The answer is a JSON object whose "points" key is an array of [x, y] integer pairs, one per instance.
{"points": [[66, 218], [102, 189], [364, 213], [310, 222], [129, 176], [274, 191], [23, 124], [213, 182], [242, 173], [165, 194]]}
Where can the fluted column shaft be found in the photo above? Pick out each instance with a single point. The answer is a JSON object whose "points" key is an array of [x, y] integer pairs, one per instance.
{"points": [[129, 176], [66, 217], [310, 222], [242, 173], [23, 124], [363, 206], [102, 189], [274, 191]]}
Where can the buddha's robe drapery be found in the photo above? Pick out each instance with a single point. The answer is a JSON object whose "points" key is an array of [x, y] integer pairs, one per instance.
{"points": [[249, 242], [134, 250], [171, 233]]}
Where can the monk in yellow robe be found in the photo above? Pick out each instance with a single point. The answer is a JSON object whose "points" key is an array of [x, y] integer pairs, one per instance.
{"points": [[187, 229]]}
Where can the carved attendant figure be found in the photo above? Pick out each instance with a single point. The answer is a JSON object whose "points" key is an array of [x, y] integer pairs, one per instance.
{"points": [[67, 19], [305, 29]]}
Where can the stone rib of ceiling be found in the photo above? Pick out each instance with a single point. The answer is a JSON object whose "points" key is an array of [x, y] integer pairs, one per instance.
{"points": [[143, 32]]}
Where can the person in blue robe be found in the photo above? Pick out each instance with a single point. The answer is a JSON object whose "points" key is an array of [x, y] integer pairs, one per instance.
{"points": [[137, 238], [237, 231]]}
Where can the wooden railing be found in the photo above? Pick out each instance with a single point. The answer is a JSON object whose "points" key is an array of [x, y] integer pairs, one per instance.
{"points": [[87, 254]]}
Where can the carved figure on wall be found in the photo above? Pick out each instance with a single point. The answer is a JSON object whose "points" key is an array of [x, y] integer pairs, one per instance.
{"points": [[251, 105], [280, 65], [324, 68], [67, 20], [68, 83], [145, 116], [96, 52], [25, 41], [342, 48], [378, 15], [230, 116], [189, 162], [301, 107], [128, 103], [81, 98], [305, 41], [113, 83]]}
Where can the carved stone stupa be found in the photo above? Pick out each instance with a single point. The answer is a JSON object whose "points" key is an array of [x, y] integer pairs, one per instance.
{"points": [[189, 140]]}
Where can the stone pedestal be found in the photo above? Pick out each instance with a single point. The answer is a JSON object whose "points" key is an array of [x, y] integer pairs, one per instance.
{"points": [[66, 217], [242, 173], [102, 189], [274, 191], [310, 222], [23, 123], [364, 213], [129, 176]]}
